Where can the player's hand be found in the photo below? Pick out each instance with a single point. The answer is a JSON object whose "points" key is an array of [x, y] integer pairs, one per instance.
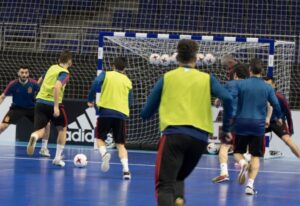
{"points": [[56, 112], [267, 123], [217, 103], [228, 137], [279, 122], [90, 104]]}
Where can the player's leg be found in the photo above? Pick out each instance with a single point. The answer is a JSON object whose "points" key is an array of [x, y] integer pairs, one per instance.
{"points": [[119, 135], [289, 142], [226, 145], [42, 114], [44, 149], [11, 117], [102, 128], [168, 162], [256, 149], [240, 147], [192, 156], [60, 123]]}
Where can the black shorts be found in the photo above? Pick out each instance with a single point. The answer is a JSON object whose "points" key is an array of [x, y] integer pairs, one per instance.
{"points": [[279, 130], [256, 145], [43, 113], [107, 124], [15, 114]]}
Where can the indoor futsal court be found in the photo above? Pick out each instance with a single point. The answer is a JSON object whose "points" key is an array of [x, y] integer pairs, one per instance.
{"points": [[35, 181]]}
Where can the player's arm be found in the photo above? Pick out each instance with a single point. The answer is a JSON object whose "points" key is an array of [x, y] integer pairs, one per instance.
{"points": [[153, 100], [96, 87], [8, 91], [130, 98], [62, 79], [286, 112], [41, 79], [269, 115], [274, 103], [218, 91]]}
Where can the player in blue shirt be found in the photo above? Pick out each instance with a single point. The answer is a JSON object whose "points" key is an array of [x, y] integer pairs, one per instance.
{"points": [[286, 130], [240, 71], [253, 97], [23, 91]]}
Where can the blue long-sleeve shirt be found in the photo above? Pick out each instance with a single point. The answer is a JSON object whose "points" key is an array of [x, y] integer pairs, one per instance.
{"points": [[104, 112], [217, 90], [253, 95], [231, 86]]}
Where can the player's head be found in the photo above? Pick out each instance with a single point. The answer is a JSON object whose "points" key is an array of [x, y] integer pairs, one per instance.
{"points": [[65, 58], [241, 71], [270, 81], [228, 62], [120, 63], [23, 73], [187, 51], [256, 66]]}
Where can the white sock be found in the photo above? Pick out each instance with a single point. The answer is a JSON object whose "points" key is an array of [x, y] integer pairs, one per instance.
{"points": [[250, 183], [125, 165], [242, 162], [224, 169], [59, 150], [44, 143], [102, 150]]}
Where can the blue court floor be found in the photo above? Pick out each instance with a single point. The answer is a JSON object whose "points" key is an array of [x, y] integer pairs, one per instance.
{"points": [[35, 181]]}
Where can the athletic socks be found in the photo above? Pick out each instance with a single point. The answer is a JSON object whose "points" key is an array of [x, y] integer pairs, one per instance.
{"points": [[102, 150], [59, 150], [224, 169], [44, 143], [125, 165]]}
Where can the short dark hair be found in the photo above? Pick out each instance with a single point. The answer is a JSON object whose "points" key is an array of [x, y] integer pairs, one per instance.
{"points": [[23, 67], [269, 78], [187, 50], [64, 57], [120, 63], [256, 66], [241, 70]]}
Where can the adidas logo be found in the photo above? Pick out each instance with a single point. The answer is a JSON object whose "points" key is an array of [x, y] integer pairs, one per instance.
{"points": [[82, 129]]}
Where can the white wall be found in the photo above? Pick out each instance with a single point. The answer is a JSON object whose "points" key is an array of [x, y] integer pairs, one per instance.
{"points": [[9, 135]]}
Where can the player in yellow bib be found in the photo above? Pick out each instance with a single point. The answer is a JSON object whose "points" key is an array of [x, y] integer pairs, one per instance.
{"points": [[183, 98], [113, 110], [49, 106]]}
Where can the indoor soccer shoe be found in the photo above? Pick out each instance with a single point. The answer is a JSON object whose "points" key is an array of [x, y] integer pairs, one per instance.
{"points": [[220, 178], [31, 145], [242, 174], [44, 152], [126, 176], [105, 162], [58, 162], [250, 191]]}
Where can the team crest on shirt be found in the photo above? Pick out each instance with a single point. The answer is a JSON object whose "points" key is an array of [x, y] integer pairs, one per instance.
{"points": [[29, 90]]}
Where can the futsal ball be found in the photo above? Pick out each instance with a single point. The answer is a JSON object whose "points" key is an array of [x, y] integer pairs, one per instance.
{"points": [[212, 148], [173, 58], [154, 59], [165, 60], [80, 160], [209, 59], [200, 58]]}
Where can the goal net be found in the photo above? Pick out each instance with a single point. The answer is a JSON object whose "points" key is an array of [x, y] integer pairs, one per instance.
{"points": [[137, 48]]}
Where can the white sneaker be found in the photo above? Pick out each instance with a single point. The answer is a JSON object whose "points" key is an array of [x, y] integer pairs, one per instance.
{"points": [[58, 162], [242, 174], [250, 191], [126, 176], [31, 145], [44, 152], [105, 162]]}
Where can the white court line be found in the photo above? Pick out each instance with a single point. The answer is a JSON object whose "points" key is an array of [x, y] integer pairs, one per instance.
{"points": [[151, 165]]}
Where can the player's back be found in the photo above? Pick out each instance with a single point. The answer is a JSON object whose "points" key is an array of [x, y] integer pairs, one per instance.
{"points": [[231, 87], [253, 95]]}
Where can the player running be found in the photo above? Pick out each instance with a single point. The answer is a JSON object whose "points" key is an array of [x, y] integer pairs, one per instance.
{"points": [[240, 71], [49, 106], [183, 98], [284, 131], [23, 91], [116, 98], [253, 97]]}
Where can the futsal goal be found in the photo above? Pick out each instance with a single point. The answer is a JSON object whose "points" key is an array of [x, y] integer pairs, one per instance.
{"points": [[278, 56]]}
